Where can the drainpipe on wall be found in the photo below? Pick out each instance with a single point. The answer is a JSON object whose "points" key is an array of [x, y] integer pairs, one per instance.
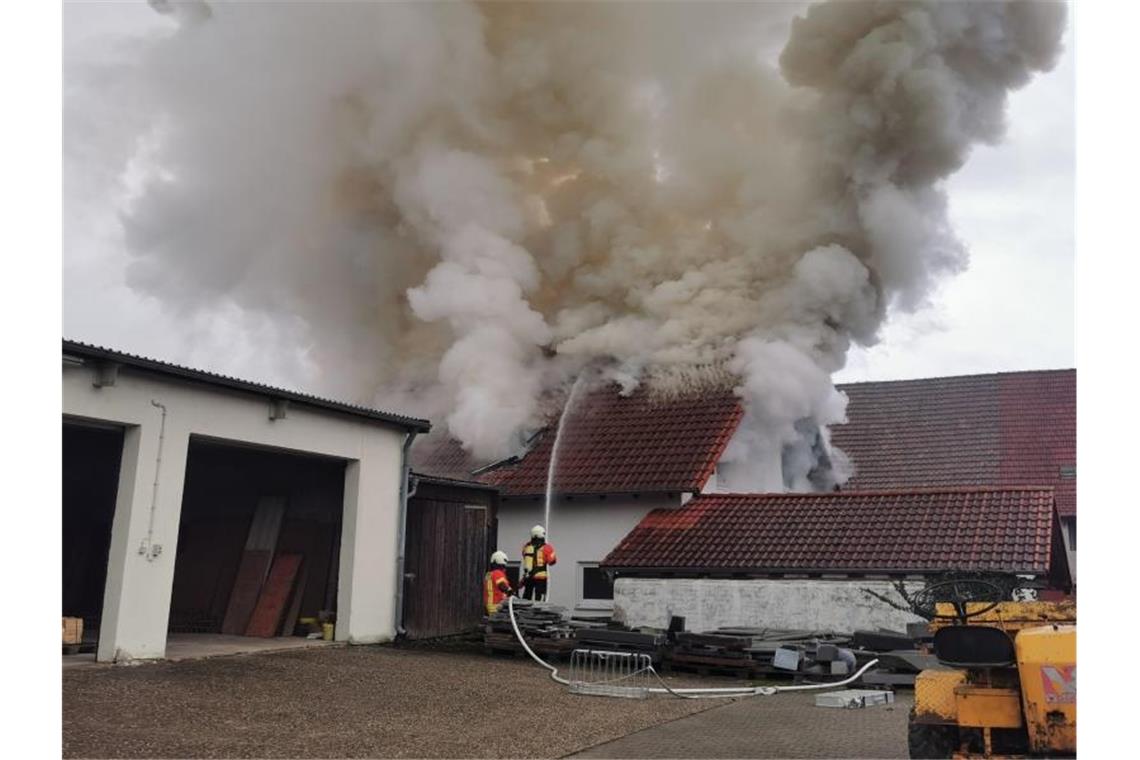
{"points": [[407, 489]]}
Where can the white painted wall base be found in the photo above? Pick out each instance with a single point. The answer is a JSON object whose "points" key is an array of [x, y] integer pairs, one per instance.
{"points": [[709, 603]]}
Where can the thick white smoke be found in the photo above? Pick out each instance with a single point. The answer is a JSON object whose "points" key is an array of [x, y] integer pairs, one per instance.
{"points": [[465, 203]]}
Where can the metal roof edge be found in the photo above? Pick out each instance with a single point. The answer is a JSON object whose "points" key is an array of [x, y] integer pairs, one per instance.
{"points": [[86, 350]]}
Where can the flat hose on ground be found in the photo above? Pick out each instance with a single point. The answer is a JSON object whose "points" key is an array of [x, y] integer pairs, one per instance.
{"points": [[705, 693]]}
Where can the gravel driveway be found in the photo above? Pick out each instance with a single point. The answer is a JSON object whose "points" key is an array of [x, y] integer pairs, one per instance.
{"points": [[343, 702]]}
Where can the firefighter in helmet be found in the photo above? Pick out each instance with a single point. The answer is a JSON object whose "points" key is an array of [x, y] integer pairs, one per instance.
{"points": [[537, 557], [496, 586]]}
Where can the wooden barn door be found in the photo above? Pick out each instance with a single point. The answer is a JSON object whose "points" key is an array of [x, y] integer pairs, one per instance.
{"points": [[445, 557]]}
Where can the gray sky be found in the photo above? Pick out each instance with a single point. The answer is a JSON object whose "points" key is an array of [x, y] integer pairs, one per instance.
{"points": [[1013, 308]]}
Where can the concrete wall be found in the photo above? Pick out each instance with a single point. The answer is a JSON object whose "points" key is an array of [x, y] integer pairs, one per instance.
{"points": [[708, 603], [143, 541], [581, 530]]}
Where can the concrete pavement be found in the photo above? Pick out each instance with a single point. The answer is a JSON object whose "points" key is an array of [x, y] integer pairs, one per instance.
{"points": [[781, 726]]}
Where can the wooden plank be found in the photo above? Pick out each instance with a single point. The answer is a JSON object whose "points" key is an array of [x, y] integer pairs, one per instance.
{"points": [[247, 587], [260, 543], [294, 612], [275, 594], [266, 525]]}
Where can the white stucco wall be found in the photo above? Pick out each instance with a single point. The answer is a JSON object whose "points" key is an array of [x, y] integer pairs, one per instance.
{"points": [[140, 575], [581, 530], [1068, 525], [709, 603]]}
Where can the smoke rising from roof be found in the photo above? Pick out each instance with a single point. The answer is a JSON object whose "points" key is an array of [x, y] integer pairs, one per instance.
{"points": [[464, 204]]}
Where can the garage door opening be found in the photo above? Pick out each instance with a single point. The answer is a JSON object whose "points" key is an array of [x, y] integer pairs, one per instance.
{"points": [[258, 543], [91, 458]]}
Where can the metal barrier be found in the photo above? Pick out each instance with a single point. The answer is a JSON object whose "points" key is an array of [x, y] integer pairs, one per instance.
{"points": [[610, 674]]}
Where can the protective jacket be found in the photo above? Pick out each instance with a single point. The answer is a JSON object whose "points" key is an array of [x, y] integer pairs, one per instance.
{"points": [[535, 560], [496, 588]]}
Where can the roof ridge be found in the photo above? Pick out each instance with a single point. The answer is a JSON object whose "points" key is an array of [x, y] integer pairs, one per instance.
{"points": [[872, 492], [1002, 373]]}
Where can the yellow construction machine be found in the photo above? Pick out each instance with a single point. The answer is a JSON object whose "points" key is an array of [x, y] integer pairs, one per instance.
{"points": [[1006, 684]]}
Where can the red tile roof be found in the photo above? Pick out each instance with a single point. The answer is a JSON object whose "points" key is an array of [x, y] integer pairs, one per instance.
{"points": [[1006, 429], [991, 529], [1017, 428], [625, 444]]}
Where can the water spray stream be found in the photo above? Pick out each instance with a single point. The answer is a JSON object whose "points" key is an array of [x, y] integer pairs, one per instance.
{"points": [[554, 458]]}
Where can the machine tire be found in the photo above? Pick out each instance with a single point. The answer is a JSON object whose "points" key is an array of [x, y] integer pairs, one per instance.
{"points": [[925, 740]]}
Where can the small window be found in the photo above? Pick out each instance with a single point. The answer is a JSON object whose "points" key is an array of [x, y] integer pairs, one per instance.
{"points": [[513, 574], [594, 586]]}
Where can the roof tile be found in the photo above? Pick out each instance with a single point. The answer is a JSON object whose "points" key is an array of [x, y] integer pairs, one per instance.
{"points": [[1016, 428], [983, 528]]}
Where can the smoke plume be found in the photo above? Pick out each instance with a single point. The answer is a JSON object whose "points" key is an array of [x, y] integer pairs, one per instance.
{"points": [[464, 204]]}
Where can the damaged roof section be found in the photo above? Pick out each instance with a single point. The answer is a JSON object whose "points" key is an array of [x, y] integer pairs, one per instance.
{"points": [[640, 443], [1011, 530]]}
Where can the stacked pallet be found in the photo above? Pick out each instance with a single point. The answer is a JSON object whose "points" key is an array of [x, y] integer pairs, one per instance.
{"points": [[546, 628], [612, 639], [714, 651], [749, 652]]}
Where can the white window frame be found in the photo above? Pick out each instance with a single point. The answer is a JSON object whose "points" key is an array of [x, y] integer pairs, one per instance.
{"points": [[580, 589]]}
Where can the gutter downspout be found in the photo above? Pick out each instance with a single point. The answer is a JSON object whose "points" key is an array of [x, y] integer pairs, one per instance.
{"points": [[407, 489]]}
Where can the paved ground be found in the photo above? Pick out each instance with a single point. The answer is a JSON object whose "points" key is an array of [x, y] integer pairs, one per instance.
{"points": [[341, 702], [385, 702], [781, 726], [192, 646]]}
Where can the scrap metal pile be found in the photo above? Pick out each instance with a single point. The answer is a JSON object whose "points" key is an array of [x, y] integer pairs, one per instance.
{"points": [[747, 652], [547, 628]]}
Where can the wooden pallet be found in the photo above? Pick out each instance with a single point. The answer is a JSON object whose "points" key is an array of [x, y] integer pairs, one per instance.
{"points": [[550, 647], [710, 666]]}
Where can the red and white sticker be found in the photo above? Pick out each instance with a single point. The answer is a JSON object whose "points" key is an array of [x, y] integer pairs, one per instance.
{"points": [[1060, 684]]}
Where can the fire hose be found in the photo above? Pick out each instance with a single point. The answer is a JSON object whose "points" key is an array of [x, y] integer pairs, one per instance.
{"points": [[728, 692]]}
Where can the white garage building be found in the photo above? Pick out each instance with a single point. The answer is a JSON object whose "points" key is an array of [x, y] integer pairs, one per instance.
{"points": [[167, 473]]}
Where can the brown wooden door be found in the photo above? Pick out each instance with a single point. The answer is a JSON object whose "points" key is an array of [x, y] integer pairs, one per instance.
{"points": [[445, 557]]}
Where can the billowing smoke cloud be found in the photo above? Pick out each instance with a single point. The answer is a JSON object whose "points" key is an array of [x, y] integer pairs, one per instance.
{"points": [[466, 203]]}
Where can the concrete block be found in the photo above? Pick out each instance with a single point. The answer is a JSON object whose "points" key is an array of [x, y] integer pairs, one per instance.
{"points": [[826, 653], [839, 668], [918, 630], [786, 658], [854, 698]]}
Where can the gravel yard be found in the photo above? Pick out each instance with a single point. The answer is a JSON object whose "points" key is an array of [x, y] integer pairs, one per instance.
{"points": [[343, 702]]}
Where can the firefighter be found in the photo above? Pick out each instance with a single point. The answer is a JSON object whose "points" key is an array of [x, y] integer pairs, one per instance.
{"points": [[537, 557], [496, 586]]}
